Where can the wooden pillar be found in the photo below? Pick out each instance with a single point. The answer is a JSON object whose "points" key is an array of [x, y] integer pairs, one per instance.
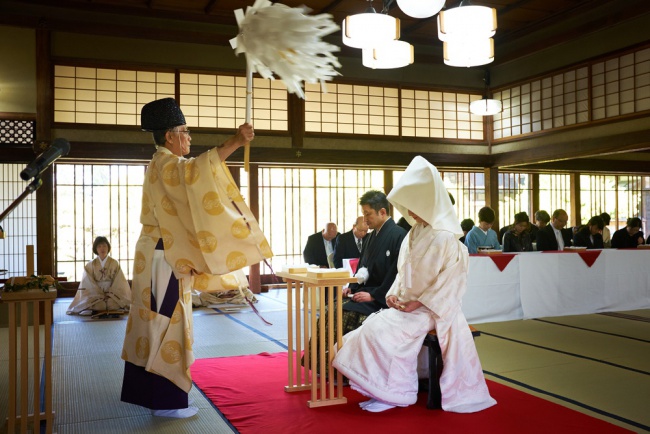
{"points": [[296, 106], [492, 193], [44, 118], [534, 195], [388, 186], [254, 278], [575, 211]]}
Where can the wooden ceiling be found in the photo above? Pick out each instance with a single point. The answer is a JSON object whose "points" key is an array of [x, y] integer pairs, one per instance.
{"points": [[516, 18]]}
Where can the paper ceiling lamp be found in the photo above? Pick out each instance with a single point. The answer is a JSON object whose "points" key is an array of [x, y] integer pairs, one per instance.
{"points": [[485, 107], [369, 29], [468, 52], [394, 54], [467, 22], [420, 8]]}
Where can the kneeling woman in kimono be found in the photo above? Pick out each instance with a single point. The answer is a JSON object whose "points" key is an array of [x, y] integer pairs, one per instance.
{"points": [[380, 358], [103, 286]]}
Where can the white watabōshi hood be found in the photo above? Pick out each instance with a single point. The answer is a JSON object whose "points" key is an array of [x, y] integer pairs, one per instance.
{"points": [[422, 191]]}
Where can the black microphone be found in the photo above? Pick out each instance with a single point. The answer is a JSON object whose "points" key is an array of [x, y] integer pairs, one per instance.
{"points": [[59, 148]]}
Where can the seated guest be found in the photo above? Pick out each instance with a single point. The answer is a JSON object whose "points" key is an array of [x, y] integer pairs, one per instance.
{"points": [[589, 235], [103, 286], [350, 244], [483, 235], [541, 219], [517, 239], [629, 236], [403, 224], [466, 225], [553, 236], [607, 235], [320, 245], [381, 357]]}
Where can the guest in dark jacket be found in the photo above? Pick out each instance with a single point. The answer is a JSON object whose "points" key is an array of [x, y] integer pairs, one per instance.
{"points": [[630, 236], [517, 239], [466, 225], [320, 245], [541, 219], [350, 244], [590, 235], [554, 236]]}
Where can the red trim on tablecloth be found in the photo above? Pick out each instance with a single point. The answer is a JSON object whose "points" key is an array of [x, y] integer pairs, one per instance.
{"points": [[500, 260], [589, 256]]}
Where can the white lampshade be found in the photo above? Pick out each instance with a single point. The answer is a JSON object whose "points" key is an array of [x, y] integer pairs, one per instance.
{"points": [[369, 29], [467, 22], [485, 107], [394, 54], [468, 52], [420, 8]]}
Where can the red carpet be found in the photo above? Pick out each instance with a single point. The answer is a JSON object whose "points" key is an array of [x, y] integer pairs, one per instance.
{"points": [[249, 391]]}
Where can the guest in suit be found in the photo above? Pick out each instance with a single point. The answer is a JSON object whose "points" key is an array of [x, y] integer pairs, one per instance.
{"points": [[553, 236], [320, 245], [517, 239], [350, 244], [541, 219], [466, 225], [590, 235], [483, 234], [630, 236], [404, 224], [607, 235]]}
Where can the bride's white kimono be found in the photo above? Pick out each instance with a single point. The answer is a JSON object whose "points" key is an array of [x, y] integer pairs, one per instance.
{"points": [[381, 357]]}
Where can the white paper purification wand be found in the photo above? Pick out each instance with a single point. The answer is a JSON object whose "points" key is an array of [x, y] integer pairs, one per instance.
{"points": [[284, 41]]}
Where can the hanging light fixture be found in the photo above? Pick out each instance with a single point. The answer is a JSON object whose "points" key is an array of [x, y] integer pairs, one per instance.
{"points": [[393, 54], [468, 52], [420, 8], [485, 107], [467, 22], [369, 29]]}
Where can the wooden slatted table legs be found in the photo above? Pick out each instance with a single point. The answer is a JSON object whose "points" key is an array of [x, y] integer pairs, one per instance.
{"points": [[301, 325], [18, 308]]}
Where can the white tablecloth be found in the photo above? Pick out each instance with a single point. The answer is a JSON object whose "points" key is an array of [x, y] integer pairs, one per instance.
{"points": [[539, 284]]}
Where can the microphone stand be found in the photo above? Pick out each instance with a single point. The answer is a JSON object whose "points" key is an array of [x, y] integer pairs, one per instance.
{"points": [[32, 187]]}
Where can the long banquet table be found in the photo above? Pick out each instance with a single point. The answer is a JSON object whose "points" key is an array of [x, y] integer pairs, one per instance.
{"points": [[546, 284]]}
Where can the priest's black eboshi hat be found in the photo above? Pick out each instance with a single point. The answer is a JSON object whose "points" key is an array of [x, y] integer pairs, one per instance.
{"points": [[160, 115]]}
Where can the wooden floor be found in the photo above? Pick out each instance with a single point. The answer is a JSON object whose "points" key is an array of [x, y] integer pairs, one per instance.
{"points": [[596, 364]]}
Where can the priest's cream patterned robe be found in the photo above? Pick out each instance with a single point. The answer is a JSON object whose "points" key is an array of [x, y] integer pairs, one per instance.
{"points": [[208, 232]]}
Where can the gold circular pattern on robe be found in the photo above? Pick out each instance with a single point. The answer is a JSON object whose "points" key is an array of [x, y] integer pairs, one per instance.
{"points": [[170, 175], [212, 203], [207, 241], [192, 239], [147, 229], [171, 352], [177, 315], [168, 238], [265, 249], [201, 281], [188, 339], [142, 348], [152, 173], [139, 263], [146, 209], [184, 266], [146, 314], [146, 298], [239, 229], [229, 281], [235, 260], [234, 194], [192, 172], [168, 206]]}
